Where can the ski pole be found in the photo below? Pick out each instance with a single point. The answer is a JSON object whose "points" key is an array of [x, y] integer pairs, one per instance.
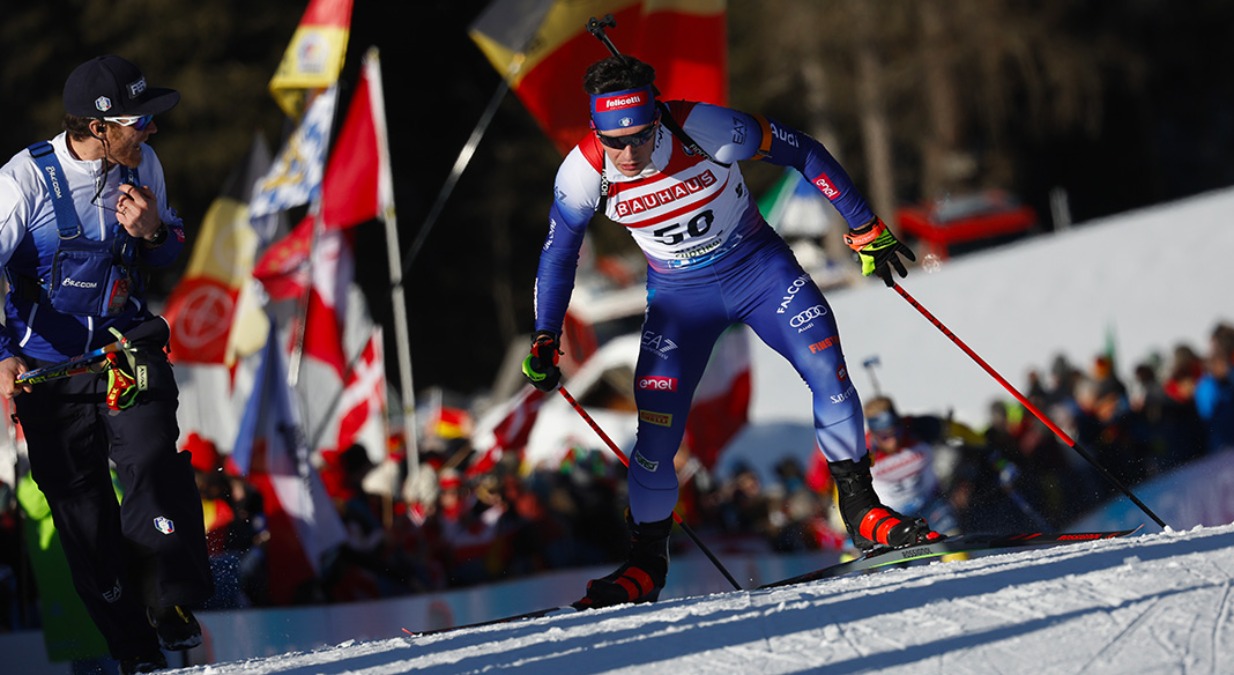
{"points": [[624, 460], [1028, 405], [74, 366]]}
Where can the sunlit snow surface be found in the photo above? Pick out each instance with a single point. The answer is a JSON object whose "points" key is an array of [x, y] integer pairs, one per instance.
{"points": [[1157, 603]]}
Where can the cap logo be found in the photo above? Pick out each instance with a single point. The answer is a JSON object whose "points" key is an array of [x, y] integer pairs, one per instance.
{"points": [[623, 109], [102, 104], [619, 102], [137, 87]]}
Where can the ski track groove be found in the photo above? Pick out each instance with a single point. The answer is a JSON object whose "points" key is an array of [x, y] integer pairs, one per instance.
{"points": [[1114, 640], [1224, 617]]}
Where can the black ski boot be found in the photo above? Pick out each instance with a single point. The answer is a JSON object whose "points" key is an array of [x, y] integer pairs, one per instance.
{"points": [[149, 663], [869, 523], [176, 626], [642, 577]]}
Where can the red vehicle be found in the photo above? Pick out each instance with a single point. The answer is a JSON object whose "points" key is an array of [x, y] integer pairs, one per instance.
{"points": [[966, 223]]}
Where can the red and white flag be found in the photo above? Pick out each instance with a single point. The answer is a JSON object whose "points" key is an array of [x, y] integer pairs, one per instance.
{"points": [[342, 374], [333, 270], [283, 268], [356, 188], [722, 400], [358, 185], [362, 408], [506, 429]]}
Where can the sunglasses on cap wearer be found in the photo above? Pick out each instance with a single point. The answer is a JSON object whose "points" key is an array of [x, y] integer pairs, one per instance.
{"points": [[137, 122], [631, 141]]}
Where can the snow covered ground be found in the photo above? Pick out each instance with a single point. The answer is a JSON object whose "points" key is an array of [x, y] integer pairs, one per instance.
{"points": [[1156, 603]]}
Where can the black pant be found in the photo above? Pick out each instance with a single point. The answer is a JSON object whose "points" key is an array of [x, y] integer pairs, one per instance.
{"points": [[149, 551]]}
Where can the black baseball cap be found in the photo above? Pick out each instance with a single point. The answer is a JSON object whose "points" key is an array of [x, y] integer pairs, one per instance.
{"points": [[110, 86]]}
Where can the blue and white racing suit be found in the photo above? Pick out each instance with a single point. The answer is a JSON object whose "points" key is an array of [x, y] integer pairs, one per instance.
{"points": [[29, 239], [712, 261]]}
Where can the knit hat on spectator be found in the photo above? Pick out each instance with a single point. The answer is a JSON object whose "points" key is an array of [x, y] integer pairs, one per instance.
{"points": [[110, 86]]}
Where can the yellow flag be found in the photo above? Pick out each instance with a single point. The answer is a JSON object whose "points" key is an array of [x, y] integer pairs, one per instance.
{"points": [[314, 57]]}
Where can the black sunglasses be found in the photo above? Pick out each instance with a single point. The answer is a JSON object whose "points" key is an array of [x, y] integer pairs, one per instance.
{"points": [[631, 141]]}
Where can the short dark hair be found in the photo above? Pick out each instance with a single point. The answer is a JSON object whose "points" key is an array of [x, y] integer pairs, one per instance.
{"points": [[617, 73], [78, 127]]}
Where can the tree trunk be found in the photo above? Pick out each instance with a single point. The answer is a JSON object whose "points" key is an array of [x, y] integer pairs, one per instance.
{"points": [[942, 169], [871, 110]]}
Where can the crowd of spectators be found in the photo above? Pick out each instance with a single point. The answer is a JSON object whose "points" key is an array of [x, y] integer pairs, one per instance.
{"points": [[450, 526]]}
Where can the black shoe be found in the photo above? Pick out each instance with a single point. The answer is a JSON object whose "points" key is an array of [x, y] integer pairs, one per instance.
{"points": [[177, 627], [869, 523], [642, 578], [143, 664]]}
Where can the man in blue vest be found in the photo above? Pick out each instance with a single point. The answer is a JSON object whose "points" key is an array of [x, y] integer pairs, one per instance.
{"points": [[82, 217]]}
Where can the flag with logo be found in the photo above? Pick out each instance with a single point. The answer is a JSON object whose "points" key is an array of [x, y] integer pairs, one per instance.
{"points": [[270, 450], [315, 55], [210, 321], [542, 49], [283, 268], [295, 178]]}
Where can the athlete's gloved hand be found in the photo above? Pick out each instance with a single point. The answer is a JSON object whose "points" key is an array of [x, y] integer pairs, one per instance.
{"points": [[879, 250], [540, 366]]}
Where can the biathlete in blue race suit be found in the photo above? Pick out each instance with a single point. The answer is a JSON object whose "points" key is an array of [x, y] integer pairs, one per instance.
{"points": [[712, 261]]}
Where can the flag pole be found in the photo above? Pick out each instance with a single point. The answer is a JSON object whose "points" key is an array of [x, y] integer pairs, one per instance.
{"points": [[302, 302], [399, 269], [385, 188], [403, 340]]}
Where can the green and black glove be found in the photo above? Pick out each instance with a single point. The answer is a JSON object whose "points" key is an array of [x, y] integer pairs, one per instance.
{"points": [[540, 366], [879, 250]]}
